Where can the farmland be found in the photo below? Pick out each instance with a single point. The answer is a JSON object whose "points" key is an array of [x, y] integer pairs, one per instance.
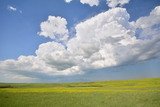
{"points": [[119, 93]]}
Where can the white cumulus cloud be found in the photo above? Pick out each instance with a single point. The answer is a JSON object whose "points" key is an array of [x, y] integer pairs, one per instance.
{"points": [[89, 2], [110, 3], [105, 40], [54, 28], [67, 1], [114, 3]]}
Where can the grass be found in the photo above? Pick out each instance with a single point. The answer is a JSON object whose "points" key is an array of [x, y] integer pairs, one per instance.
{"points": [[126, 93]]}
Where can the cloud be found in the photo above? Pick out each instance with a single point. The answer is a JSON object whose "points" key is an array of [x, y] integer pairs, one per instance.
{"points": [[11, 8], [14, 77], [54, 28], [67, 1], [149, 21], [110, 3], [105, 40], [98, 44], [114, 3], [89, 2], [148, 29]]}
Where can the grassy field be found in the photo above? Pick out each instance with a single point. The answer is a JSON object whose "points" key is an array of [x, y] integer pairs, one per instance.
{"points": [[126, 93]]}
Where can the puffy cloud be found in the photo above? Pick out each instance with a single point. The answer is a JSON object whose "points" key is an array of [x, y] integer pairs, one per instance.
{"points": [[151, 20], [57, 57], [98, 44], [54, 28], [148, 29], [110, 3], [67, 1], [114, 3], [90, 2], [105, 40]]}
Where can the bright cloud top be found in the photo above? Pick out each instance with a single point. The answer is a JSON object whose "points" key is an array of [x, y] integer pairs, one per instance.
{"points": [[114, 3], [110, 3], [105, 40], [89, 2], [54, 28], [67, 1]]}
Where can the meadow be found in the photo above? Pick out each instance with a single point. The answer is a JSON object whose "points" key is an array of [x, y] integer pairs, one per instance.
{"points": [[118, 93]]}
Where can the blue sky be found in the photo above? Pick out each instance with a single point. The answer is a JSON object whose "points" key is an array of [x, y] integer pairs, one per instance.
{"points": [[18, 32]]}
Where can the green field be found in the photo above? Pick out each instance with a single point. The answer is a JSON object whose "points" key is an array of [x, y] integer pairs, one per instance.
{"points": [[124, 93]]}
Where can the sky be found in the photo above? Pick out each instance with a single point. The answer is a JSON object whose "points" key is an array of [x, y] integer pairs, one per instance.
{"points": [[79, 40]]}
